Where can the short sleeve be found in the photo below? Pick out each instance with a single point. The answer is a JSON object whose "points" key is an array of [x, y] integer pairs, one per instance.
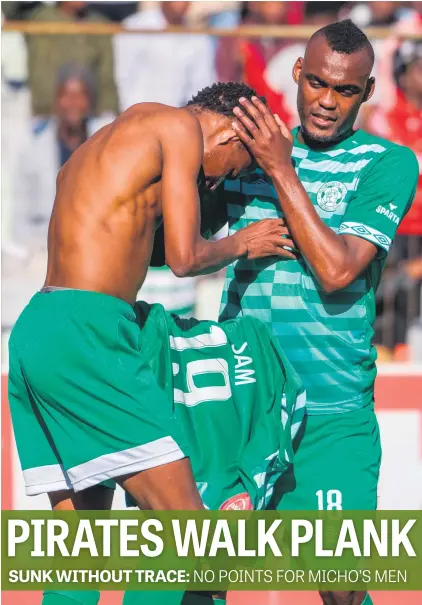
{"points": [[383, 198]]}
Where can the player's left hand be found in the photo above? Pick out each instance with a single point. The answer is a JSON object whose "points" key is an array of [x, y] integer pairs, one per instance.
{"points": [[265, 135]]}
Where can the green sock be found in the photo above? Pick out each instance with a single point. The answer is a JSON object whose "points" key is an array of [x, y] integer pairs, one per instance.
{"points": [[71, 597], [367, 600], [152, 597]]}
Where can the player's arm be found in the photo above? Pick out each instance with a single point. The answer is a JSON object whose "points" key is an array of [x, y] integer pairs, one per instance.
{"points": [[187, 253], [335, 259]]}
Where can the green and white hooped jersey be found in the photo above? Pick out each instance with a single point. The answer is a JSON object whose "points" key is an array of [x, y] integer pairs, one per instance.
{"points": [[363, 186]]}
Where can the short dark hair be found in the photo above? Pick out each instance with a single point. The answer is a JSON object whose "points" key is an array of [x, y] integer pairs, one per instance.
{"points": [[222, 97], [345, 37]]}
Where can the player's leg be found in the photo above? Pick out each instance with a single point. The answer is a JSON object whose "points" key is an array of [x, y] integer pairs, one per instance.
{"points": [[97, 412], [99, 497], [37, 452], [99, 401], [95, 498], [336, 467], [167, 487]]}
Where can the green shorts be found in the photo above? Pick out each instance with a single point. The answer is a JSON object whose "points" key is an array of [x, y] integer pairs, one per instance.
{"points": [[85, 404], [336, 464]]}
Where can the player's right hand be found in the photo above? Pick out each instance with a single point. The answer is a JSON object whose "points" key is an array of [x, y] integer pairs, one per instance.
{"points": [[268, 237]]}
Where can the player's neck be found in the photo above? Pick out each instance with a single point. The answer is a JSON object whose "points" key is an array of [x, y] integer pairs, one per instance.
{"points": [[204, 122]]}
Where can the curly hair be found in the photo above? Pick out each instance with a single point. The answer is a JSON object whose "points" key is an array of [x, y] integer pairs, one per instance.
{"points": [[345, 37], [222, 98]]}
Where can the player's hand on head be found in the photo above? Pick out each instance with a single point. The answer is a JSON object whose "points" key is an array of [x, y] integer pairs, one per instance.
{"points": [[269, 237], [265, 135]]}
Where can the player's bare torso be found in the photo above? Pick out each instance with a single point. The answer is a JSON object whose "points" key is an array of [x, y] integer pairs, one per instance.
{"points": [[108, 205]]}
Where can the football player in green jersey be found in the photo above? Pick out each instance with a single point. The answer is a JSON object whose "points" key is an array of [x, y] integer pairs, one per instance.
{"points": [[342, 193]]}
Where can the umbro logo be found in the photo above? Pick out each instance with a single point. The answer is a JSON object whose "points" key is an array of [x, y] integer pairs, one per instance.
{"points": [[259, 183]]}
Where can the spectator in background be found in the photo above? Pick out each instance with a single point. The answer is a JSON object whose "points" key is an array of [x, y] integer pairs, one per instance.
{"points": [[166, 68], [278, 73], [47, 53]]}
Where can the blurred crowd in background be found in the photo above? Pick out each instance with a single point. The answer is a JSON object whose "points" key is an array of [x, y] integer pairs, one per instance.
{"points": [[57, 90]]}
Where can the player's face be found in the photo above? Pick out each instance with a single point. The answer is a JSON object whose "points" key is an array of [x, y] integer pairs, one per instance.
{"points": [[224, 155], [332, 87]]}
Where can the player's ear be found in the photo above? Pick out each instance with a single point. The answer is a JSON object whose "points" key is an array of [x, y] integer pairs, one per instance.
{"points": [[369, 90], [225, 136], [297, 68]]}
